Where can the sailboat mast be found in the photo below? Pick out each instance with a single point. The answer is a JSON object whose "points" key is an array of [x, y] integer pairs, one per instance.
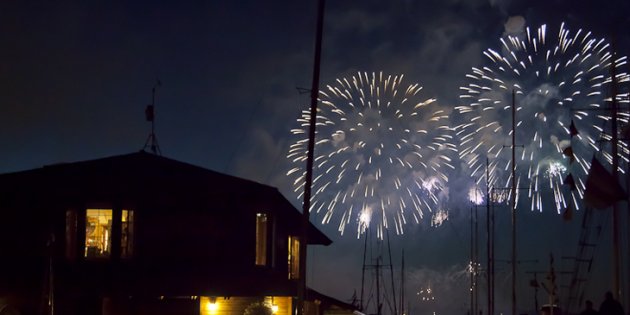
{"points": [[378, 285], [391, 273], [476, 265], [513, 203], [363, 270], [489, 273], [470, 265], [402, 284]]}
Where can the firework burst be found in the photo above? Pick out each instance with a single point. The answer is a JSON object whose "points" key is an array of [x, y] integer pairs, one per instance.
{"points": [[381, 154], [562, 84]]}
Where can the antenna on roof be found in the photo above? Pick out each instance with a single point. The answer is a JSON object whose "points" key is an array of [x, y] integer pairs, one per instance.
{"points": [[150, 116]]}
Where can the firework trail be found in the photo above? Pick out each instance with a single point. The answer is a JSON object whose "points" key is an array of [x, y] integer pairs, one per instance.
{"points": [[381, 154], [562, 82]]}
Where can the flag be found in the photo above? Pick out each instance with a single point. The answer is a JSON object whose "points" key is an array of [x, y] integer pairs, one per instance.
{"points": [[602, 189], [572, 130]]}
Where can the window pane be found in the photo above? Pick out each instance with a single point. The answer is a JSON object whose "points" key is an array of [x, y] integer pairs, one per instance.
{"points": [[98, 231], [126, 237], [261, 239], [294, 257]]}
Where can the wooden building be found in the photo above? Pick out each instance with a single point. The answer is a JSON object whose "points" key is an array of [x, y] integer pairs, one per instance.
{"points": [[144, 234]]}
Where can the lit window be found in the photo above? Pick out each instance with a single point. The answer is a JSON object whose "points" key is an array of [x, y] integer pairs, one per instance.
{"points": [[126, 236], [294, 257], [98, 232], [261, 239]]}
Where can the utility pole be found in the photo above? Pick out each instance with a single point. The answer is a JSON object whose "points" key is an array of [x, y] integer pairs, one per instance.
{"points": [[309, 160]]}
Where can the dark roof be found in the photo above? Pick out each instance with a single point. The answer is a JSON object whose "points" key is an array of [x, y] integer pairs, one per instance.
{"points": [[148, 176]]}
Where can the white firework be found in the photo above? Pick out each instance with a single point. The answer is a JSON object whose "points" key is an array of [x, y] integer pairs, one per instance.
{"points": [[381, 154], [557, 81]]}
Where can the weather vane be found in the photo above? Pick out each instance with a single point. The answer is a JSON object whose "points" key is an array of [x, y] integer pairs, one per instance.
{"points": [[150, 116]]}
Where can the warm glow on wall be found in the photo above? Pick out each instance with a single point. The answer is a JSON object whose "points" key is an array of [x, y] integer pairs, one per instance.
{"points": [[271, 301], [209, 305], [235, 305]]}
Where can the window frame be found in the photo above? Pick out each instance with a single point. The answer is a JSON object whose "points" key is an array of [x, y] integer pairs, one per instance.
{"points": [[127, 233], [261, 253], [121, 239], [293, 253]]}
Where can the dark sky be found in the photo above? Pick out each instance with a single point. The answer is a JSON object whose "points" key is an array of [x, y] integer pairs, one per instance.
{"points": [[75, 78]]}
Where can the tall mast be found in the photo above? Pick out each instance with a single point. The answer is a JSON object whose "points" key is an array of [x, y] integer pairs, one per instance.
{"points": [[309, 159], [476, 265], [471, 264], [513, 203], [474, 259], [391, 273], [489, 273], [363, 270], [378, 283], [402, 284]]}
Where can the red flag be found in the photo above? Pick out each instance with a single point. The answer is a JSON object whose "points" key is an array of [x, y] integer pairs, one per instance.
{"points": [[568, 151], [567, 215], [602, 189]]}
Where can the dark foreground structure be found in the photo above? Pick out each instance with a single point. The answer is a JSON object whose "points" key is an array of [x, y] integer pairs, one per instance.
{"points": [[144, 234]]}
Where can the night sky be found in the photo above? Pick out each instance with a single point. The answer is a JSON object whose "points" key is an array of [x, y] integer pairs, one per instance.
{"points": [[75, 79]]}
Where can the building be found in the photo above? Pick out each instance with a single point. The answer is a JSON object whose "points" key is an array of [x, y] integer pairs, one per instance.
{"points": [[144, 234]]}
